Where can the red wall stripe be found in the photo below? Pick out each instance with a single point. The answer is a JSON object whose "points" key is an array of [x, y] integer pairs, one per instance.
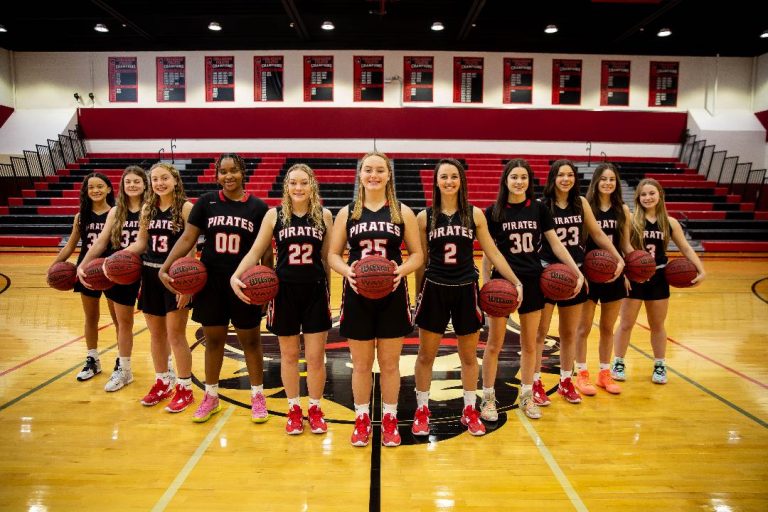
{"points": [[5, 113], [763, 118]]}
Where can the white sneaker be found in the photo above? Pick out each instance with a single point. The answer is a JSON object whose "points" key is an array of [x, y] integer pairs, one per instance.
{"points": [[119, 379], [91, 369], [488, 409]]}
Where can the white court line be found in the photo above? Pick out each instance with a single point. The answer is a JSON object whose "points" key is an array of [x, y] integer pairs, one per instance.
{"points": [[552, 463], [166, 498]]}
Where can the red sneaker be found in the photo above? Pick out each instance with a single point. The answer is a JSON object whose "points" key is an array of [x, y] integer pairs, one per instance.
{"points": [[160, 391], [390, 436], [566, 389], [470, 418], [540, 397], [420, 425], [316, 422], [295, 424], [182, 398], [362, 431]]}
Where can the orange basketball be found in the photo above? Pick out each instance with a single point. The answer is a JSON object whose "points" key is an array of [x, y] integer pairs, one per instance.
{"points": [[189, 275], [640, 266], [680, 272], [123, 267], [599, 266], [62, 276], [261, 284], [558, 282], [94, 275], [375, 277], [498, 297]]}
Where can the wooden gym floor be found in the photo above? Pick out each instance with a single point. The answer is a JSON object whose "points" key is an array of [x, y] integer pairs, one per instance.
{"points": [[698, 443]]}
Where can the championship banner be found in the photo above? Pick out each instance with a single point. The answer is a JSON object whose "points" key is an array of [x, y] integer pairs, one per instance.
{"points": [[467, 79], [220, 78], [268, 78], [662, 86], [418, 79], [368, 78], [123, 79], [566, 82], [318, 78], [614, 83], [518, 80], [171, 79]]}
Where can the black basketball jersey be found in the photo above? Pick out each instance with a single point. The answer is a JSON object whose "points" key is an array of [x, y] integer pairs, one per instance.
{"points": [[374, 234], [519, 234], [93, 228], [653, 242], [161, 237], [451, 249], [130, 229], [569, 226], [299, 249], [230, 227], [608, 223]]}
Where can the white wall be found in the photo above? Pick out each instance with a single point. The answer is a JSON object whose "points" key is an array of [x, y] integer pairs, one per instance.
{"points": [[760, 101], [6, 79], [737, 131]]}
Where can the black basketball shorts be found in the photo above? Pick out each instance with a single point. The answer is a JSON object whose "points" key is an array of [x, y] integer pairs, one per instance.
{"points": [[438, 303], [299, 307]]}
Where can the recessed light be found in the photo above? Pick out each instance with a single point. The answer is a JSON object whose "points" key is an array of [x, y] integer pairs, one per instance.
{"points": [[551, 29], [437, 26], [100, 27], [327, 25], [764, 35], [214, 25], [3, 29], [664, 32]]}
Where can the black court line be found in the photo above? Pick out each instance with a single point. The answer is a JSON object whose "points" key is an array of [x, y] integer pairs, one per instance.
{"points": [[756, 293], [57, 377], [711, 393], [7, 282], [374, 493]]}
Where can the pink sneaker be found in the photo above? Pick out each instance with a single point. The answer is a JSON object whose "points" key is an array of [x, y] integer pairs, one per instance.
{"points": [[316, 422], [160, 391], [540, 397], [420, 425], [295, 424], [182, 399], [390, 436], [208, 407], [259, 413], [362, 431], [470, 418]]}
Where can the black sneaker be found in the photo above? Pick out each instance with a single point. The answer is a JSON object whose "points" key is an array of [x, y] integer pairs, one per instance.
{"points": [[91, 369]]}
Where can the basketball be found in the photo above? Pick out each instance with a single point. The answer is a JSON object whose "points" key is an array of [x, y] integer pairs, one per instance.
{"points": [[261, 284], [375, 277], [498, 297], [558, 282], [188, 274], [640, 266], [62, 276], [94, 275], [599, 266], [680, 272], [123, 267]]}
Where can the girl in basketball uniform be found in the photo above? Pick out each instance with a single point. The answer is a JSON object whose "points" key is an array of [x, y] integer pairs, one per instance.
{"points": [[573, 220], [96, 199], [229, 218], [300, 227], [375, 224], [604, 198], [651, 231], [120, 230], [449, 288], [518, 224], [161, 223]]}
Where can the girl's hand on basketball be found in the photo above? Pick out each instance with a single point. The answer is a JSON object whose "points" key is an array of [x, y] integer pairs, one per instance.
{"points": [[698, 279], [237, 287], [619, 270], [627, 284], [398, 276], [580, 282], [519, 289], [182, 300], [350, 277], [167, 282], [81, 277]]}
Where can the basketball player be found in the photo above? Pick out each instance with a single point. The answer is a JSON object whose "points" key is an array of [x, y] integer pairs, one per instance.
{"points": [[604, 198], [161, 223], [300, 227], [375, 224], [518, 223], [573, 220], [229, 219], [120, 230], [449, 288], [96, 200], [651, 231]]}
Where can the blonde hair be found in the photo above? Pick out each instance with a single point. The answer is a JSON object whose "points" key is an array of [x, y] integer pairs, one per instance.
{"points": [[315, 210], [121, 205], [638, 217], [394, 209], [177, 201]]}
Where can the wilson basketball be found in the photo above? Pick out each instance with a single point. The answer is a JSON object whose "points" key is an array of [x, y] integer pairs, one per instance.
{"points": [[62, 276], [680, 272], [375, 277], [94, 275], [498, 297], [261, 284], [558, 282], [640, 266], [188, 274], [599, 266], [123, 267]]}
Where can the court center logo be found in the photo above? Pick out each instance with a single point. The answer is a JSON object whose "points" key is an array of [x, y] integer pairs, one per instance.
{"points": [[446, 393]]}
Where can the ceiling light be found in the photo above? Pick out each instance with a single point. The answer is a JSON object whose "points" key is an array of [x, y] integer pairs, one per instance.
{"points": [[551, 29], [100, 27], [764, 35], [214, 25], [437, 26], [327, 25], [3, 29], [665, 32]]}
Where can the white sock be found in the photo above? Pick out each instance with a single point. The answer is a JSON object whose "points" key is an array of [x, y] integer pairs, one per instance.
{"points": [[314, 401], [488, 393], [422, 399], [618, 360], [389, 409], [125, 363], [605, 366], [537, 377], [470, 398], [185, 383], [212, 389], [581, 367], [170, 363], [657, 361], [257, 390], [526, 388], [361, 409], [92, 352], [163, 377], [294, 401], [565, 374]]}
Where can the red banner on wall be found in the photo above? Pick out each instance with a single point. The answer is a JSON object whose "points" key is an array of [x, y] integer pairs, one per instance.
{"points": [[663, 83], [518, 80], [123, 79], [268, 78], [566, 82], [468, 79], [318, 78], [614, 83], [171, 79], [220, 78], [418, 79], [369, 78]]}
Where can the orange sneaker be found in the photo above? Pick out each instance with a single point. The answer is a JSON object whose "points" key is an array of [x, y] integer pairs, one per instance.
{"points": [[584, 385], [605, 381]]}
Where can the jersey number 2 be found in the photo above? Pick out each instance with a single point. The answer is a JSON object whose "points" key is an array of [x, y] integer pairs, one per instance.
{"points": [[300, 254]]}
